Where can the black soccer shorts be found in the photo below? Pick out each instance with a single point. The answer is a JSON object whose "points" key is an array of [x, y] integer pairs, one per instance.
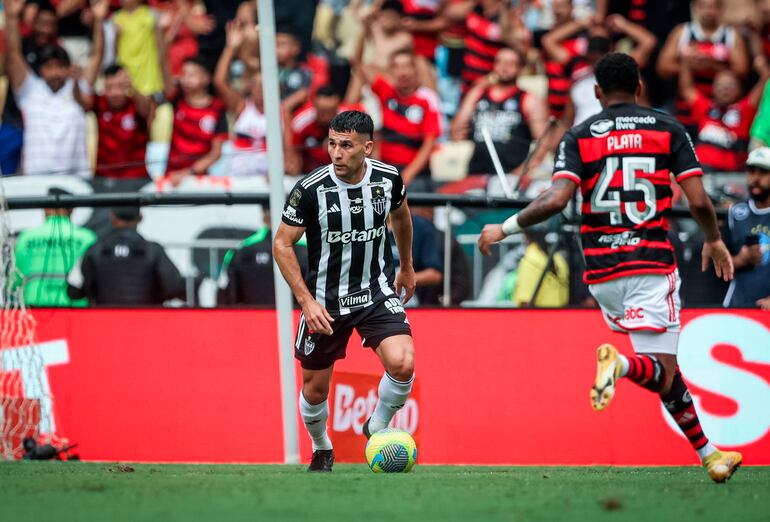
{"points": [[374, 324]]}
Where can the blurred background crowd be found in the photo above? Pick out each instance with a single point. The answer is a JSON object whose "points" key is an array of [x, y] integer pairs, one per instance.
{"points": [[464, 93]]}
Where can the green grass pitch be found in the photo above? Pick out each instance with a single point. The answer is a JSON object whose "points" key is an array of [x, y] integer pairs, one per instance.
{"points": [[54, 491]]}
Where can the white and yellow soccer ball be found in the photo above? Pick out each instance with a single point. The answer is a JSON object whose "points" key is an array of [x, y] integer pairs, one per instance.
{"points": [[391, 451]]}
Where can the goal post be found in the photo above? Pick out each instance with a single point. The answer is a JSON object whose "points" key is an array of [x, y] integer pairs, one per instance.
{"points": [[26, 404]]}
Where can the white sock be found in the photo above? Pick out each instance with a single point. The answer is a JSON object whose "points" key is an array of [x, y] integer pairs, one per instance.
{"points": [[314, 417], [392, 396], [623, 364], [706, 450]]}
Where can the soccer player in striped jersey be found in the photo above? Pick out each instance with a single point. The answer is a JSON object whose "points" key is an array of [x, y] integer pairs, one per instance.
{"points": [[622, 160], [343, 209]]}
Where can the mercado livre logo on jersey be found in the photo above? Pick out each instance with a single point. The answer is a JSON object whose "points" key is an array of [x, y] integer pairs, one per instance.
{"points": [[355, 236]]}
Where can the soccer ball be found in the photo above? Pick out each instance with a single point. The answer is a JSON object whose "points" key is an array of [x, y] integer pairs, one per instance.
{"points": [[391, 451]]}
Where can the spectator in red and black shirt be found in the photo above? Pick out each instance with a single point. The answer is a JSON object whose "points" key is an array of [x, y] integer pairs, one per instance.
{"points": [[423, 18], [309, 130], [564, 47], [411, 118], [490, 25], [200, 124], [122, 116], [724, 120], [710, 46]]}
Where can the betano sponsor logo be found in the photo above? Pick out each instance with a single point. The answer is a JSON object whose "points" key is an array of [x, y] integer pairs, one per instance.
{"points": [[351, 409], [355, 236]]}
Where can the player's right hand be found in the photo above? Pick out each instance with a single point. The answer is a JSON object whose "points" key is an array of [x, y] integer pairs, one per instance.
{"points": [[317, 318], [717, 252], [490, 234]]}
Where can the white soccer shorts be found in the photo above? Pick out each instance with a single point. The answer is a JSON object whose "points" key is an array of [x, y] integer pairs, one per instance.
{"points": [[643, 305]]}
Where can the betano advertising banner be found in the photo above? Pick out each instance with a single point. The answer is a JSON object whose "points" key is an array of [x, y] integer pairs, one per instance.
{"points": [[492, 387]]}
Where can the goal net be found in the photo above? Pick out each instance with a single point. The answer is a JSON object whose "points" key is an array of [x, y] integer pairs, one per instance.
{"points": [[25, 401]]}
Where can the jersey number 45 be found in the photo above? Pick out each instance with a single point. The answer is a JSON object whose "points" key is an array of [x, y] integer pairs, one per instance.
{"points": [[618, 202]]}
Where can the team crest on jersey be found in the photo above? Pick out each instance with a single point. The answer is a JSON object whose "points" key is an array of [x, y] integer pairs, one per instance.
{"points": [[511, 105], [379, 201], [296, 195], [208, 123], [414, 114], [732, 118], [309, 346], [601, 128]]}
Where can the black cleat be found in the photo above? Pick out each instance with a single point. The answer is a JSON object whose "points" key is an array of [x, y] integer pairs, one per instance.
{"points": [[322, 461], [366, 429]]}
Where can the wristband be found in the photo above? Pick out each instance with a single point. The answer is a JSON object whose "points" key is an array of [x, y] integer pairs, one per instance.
{"points": [[511, 225]]}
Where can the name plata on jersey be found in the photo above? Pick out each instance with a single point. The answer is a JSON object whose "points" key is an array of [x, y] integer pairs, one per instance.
{"points": [[343, 208]]}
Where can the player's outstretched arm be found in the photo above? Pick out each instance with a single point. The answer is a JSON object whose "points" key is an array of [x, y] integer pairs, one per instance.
{"points": [[547, 204], [401, 224], [316, 316], [702, 210]]}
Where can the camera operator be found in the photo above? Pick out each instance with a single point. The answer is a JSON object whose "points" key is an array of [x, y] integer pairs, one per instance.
{"points": [[747, 234]]}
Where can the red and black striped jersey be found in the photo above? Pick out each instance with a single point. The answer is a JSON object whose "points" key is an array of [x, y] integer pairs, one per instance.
{"points": [[723, 133], [194, 130], [123, 138], [623, 159], [406, 121], [424, 43], [560, 74], [482, 41]]}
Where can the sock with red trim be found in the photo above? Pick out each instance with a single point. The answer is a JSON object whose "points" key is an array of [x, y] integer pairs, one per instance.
{"points": [[644, 370], [678, 403]]}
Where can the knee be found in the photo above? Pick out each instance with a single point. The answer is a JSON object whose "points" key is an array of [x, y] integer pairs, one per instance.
{"points": [[314, 393], [402, 368]]}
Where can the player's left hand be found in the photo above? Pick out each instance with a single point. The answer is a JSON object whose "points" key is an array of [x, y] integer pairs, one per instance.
{"points": [[406, 282], [490, 234], [764, 304], [717, 252]]}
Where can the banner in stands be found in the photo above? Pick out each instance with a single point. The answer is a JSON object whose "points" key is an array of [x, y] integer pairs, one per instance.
{"points": [[493, 387]]}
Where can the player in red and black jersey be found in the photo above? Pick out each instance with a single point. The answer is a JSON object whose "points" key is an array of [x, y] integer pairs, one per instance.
{"points": [[200, 125], [622, 160]]}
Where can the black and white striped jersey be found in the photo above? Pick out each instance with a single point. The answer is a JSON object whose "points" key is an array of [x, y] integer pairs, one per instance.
{"points": [[350, 265]]}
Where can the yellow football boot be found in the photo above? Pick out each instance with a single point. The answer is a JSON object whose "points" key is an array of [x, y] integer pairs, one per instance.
{"points": [[722, 464], [607, 373]]}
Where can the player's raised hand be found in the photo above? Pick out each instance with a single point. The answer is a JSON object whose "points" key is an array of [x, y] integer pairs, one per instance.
{"points": [[490, 234], [717, 252], [406, 282], [317, 318]]}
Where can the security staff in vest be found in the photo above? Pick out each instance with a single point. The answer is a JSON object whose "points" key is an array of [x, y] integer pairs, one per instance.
{"points": [[247, 273], [124, 269]]}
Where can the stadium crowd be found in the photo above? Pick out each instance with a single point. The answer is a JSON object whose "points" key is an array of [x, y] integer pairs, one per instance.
{"points": [[459, 89]]}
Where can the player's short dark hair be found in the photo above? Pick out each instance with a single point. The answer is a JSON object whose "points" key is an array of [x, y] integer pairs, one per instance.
{"points": [[392, 5], [54, 52], [112, 69], [327, 91], [617, 72], [353, 121]]}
